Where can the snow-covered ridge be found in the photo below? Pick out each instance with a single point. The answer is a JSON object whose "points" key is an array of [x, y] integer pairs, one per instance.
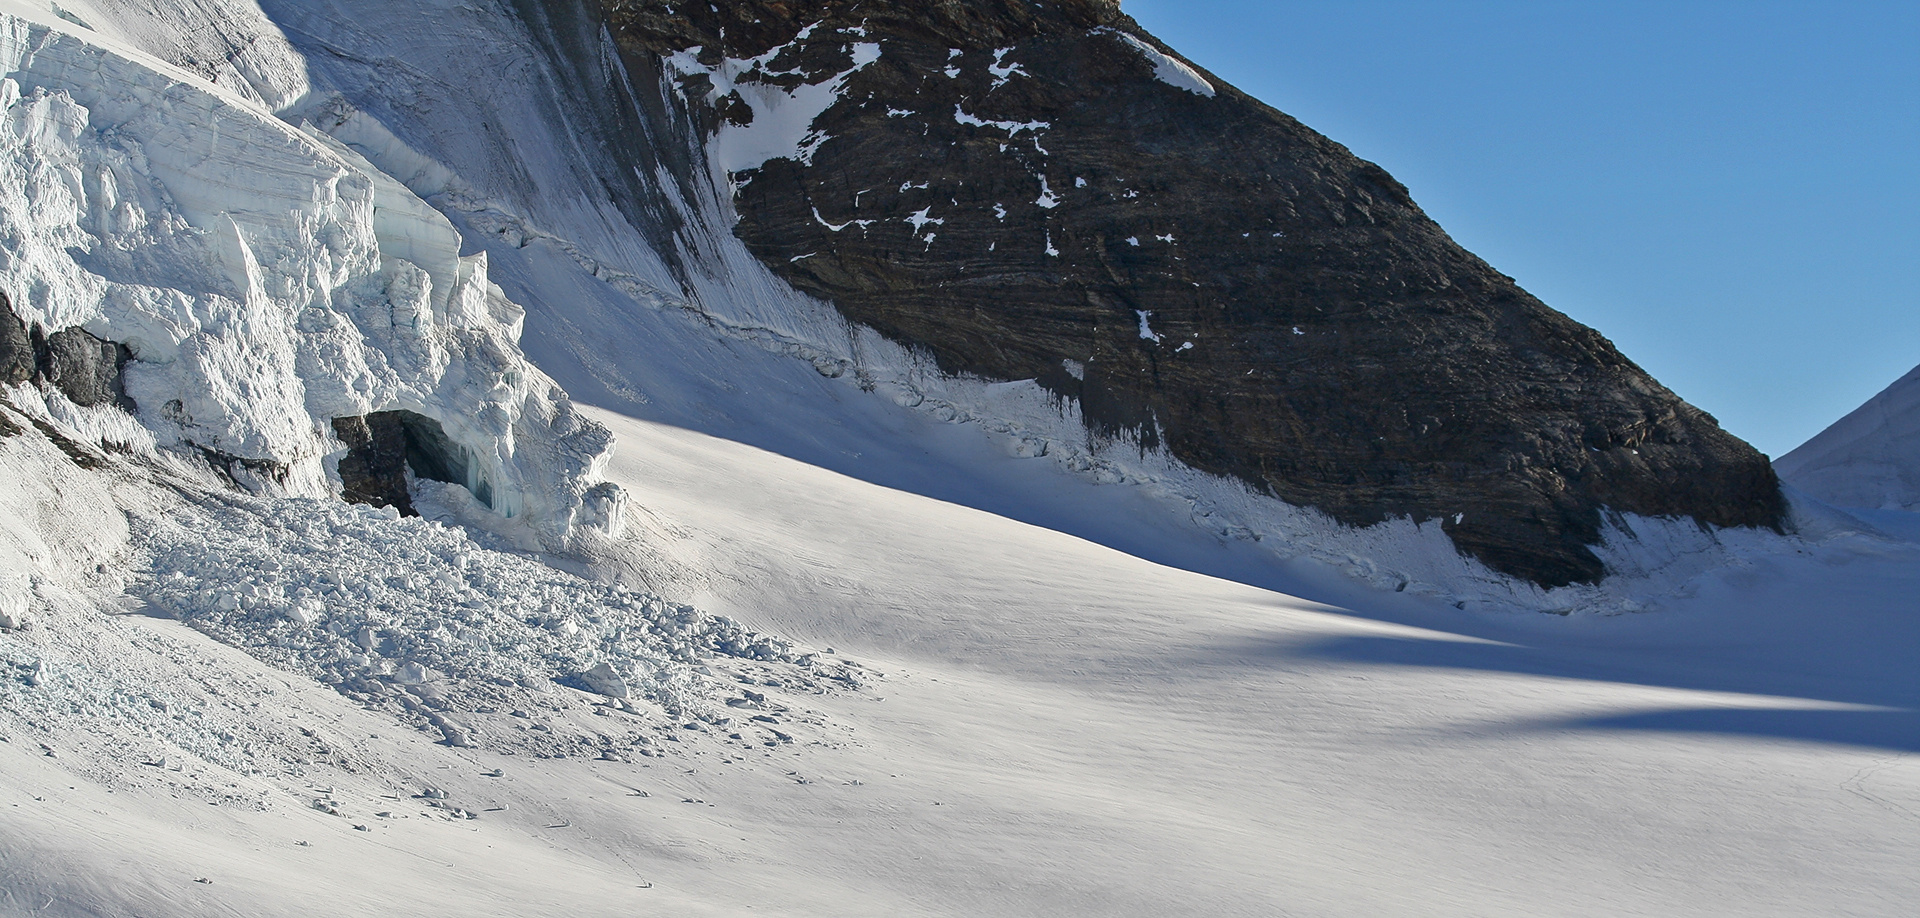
{"points": [[1868, 459], [266, 279]]}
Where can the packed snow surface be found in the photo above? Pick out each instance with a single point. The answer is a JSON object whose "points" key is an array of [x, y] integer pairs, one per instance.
{"points": [[1870, 458]]}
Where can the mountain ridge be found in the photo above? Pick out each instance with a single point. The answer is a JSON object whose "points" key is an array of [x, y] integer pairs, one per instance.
{"points": [[1190, 266]]}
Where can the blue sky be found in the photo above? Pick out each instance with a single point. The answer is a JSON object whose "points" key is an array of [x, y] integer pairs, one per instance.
{"points": [[1728, 190]]}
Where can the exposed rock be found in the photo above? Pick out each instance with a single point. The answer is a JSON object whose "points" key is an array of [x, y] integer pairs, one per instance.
{"points": [[85, 368], [383, 447], [17, 360], [374, 471], [251, 474], [1042, 191]]}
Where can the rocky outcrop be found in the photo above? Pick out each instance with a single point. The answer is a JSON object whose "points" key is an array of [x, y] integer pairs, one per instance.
{"points": [[383, 447], [374, 470], [87, 369], [18, 363], [1044, 191]]}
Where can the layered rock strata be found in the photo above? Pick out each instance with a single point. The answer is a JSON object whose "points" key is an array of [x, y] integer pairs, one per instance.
{"points": [[1044, 191]]}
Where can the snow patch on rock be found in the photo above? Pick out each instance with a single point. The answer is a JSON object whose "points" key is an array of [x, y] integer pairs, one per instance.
{"points": [[782, 123], [1013, 128], [1166, 68]]}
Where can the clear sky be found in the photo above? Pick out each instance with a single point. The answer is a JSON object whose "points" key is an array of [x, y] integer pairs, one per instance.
{"points": [[1728, 190]]}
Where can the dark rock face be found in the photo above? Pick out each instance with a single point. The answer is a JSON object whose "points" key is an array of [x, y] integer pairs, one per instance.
{"points": [[86, 369], [374, 470], [384, 446], [1198, 271], [17, 359]]}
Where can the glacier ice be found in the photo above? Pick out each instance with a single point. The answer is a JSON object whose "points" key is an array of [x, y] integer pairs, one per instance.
{"points": [[266, 279]]}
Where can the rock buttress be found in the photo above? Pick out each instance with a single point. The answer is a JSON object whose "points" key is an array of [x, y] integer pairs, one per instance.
{"points": [[1014, 188]]}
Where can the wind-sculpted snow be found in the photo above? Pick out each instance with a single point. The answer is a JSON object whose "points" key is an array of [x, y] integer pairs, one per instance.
{"points": [[416, 616], [266, 280]]}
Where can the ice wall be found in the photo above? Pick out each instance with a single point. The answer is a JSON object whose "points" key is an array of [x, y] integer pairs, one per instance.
{"points": [[266, 278]]}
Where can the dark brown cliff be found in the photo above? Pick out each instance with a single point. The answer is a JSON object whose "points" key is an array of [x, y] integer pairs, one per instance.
{"points": [[1011, 188]]}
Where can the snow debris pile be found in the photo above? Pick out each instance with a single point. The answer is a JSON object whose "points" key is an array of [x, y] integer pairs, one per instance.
{"points": [[13, 603], [266, 281], [413, 616]]}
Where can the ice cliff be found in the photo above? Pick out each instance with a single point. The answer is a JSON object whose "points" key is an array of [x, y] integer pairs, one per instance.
{"points": [[265, 282]]}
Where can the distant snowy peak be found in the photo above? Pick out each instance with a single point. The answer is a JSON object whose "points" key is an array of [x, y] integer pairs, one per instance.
{"points": [[1870, 458], [265, 282]]}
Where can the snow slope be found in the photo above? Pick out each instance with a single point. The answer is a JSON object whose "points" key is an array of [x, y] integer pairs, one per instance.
{"points": [[1052, 727], [1868, 459]]}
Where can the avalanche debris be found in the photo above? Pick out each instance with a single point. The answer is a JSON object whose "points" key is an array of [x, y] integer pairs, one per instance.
{"points": [[417, 618]]}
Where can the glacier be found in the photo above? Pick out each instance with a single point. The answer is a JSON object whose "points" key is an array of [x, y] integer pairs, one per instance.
{"points": [[266, 280], [1087, 680]]}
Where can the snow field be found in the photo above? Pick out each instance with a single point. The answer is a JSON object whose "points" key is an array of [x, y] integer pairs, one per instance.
{"points": [[1063, 729], [1101, 735]]}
